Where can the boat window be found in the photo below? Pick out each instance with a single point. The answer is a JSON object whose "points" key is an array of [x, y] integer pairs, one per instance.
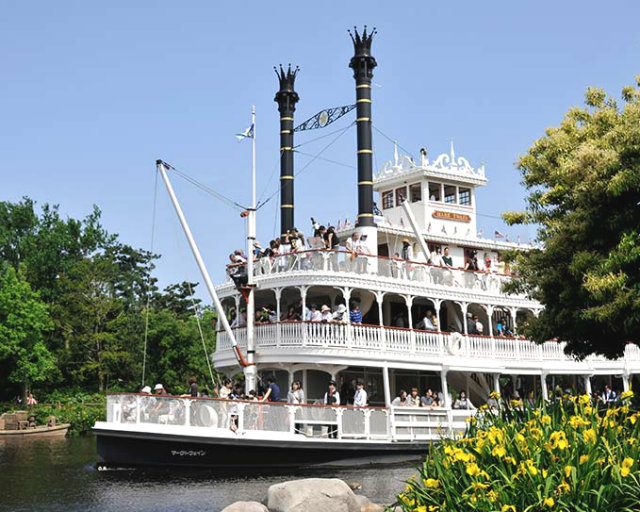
{"points": [[434, 192], [464, 196], [401, 195], [387, 199], [449, 194], [415, 192]]}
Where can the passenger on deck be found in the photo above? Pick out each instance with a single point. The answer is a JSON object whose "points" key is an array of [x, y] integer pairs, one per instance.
{"points": [[471, 325], [355, 315], [360, 397], [400, 400], [608, 396], [340, 315], [332, 397], [407, 250], [193, 387], [428, 322], [479, 326], [296, 394], [462, 402], [291, 315], [413, 400], [447, 261], [226, 389], [314, 314], [273, 391], [331, 239], [436, 257], [427, 400], [325, 314], [471, 261]]}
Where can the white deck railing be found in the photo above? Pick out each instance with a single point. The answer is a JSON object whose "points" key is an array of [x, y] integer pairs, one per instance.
{"points": [[341, 261], [410, 342], [363, 423]]}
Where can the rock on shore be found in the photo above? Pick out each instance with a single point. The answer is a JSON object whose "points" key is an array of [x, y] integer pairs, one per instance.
{"points": [[309, 495]]}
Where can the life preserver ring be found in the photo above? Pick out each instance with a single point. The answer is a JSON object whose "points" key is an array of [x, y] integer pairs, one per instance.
{"points": [[454, 345]]}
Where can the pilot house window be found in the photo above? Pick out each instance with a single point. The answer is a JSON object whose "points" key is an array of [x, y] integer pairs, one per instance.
{"points": [[464, 196], [415, 192], [401, 195], [434, 192], [449, 194], [387, 199]]}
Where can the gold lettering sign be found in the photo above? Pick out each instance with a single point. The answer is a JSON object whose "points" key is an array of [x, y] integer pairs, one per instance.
{"points": [[460, 217]]}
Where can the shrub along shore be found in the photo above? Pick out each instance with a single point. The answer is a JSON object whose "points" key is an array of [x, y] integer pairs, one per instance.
{"points": [[568, 455]]}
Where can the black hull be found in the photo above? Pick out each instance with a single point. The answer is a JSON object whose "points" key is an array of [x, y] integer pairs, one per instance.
{"points": [[128, 449]]}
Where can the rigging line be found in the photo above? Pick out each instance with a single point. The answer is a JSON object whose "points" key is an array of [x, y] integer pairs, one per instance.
{"points": [[205, 188], [300, 171], [393, 141], [204, 345], [318, 138], [264, 190], [146, 320], [327, 160]]}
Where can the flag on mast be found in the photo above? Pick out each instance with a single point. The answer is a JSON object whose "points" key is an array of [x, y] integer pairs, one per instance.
{"points": [[247, 134], [497, 234]]}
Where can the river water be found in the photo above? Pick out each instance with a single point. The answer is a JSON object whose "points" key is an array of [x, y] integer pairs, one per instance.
{"points": [[60, 475]]}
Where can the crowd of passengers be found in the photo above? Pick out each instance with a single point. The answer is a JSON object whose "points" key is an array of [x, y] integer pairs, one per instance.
{"points": [[294, 241], [427, 319], [351, 393]]}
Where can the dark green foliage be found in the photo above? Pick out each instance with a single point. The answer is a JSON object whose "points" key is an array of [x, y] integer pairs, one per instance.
{"points": [[583, 179], [82, 299]]}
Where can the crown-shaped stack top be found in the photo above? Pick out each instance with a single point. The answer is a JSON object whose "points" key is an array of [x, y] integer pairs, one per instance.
{"points": [[362, 41], [287, 78]]}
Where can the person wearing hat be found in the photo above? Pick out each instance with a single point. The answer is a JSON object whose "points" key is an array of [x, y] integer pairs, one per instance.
{"points": [[471, 324], [257, 250], [159, 390], [340, 315], [146, 390], [325, 314]]}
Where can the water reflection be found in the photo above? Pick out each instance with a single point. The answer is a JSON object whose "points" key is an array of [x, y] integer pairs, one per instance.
{"points": [[60, 475]]}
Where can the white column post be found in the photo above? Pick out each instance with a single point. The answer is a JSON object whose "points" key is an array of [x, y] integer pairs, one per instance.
{"points": [[587, 385], [496, 382], [303, 297], [545, 391], [408, 299], [514, 312], [386, 386], [437, 304], [445, 388], [278, 294], [489, 309], [625, 382], [464, 306], [382, 337], [514, 382], [346, 295]]}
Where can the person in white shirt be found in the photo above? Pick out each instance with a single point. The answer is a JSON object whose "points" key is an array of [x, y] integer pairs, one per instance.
{"points": [[401, 400], [429, 322], [332, 397], [360, 398], [315, 315]]}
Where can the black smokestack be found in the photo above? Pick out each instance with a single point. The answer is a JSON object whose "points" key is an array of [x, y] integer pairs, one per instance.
{"points": [[363, 64], [287, 98]]}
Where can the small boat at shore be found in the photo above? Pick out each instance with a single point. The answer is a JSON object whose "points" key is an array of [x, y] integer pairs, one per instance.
{"points": [[21, 424], [39, 431]]}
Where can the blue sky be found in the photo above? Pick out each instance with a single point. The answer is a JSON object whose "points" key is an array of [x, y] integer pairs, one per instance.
{"points": [[92, 93]]}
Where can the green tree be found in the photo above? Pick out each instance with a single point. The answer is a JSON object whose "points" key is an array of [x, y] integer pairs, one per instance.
{"points": [[583, 179], [23, 321]]}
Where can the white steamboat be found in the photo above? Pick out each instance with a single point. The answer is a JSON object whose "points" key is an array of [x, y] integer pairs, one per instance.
{"points": [[396, 275]]}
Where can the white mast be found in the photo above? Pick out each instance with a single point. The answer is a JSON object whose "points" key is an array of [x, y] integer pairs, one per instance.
{"points": [[250, 371], [196, 253]]}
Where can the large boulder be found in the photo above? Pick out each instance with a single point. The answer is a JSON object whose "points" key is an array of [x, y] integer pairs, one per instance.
{"points": [[245, 506], [312, 495]]}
